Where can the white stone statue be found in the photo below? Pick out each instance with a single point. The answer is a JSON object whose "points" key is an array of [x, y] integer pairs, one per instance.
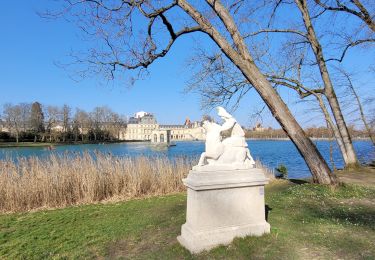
{"points": [[224, 153], [225, 192]]}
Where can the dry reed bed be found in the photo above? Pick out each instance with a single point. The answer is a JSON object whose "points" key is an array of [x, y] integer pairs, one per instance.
{"points": [[60, 181]]}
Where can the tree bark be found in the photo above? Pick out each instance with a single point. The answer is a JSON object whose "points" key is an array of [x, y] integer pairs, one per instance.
{"points": [[333, 127], [363, 117], [244, 62], [366, 17], [329, 91], [317, 165]]}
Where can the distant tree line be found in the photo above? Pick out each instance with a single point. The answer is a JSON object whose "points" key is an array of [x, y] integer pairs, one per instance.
{"points": [[38, 123], [312, 132]]}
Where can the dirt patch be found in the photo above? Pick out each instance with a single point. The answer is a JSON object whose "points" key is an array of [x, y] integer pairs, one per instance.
{"points": [[359, 202], [315, 253], [364, 176]]}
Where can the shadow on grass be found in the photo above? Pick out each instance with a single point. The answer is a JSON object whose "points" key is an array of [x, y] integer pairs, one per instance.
{"points": [[267, 211], [345, 214], [299, 181]]}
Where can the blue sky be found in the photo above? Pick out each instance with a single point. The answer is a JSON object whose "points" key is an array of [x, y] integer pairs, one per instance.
{"points": [[30, 45]]}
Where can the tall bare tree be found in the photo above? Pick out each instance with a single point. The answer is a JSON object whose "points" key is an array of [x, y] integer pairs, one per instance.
{"points": [[116, 124], [53, 118], [357, 101], [82, 120], [25, 115], [66, 118], [13, 118], [96, 119], [329, 90], [113, 22], [306, 40]]}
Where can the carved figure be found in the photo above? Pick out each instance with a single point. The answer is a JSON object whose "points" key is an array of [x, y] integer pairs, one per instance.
{"points": [[214, 146], [225, 152]]}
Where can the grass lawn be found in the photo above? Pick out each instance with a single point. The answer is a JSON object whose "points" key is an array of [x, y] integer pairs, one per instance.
{"points": [[307, 222]]}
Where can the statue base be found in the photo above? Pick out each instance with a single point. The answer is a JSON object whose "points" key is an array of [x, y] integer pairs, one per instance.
{"points": [[222, 205]]}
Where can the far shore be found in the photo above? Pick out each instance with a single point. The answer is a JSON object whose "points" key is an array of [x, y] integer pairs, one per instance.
{"points": [[47, 144], [312, 138], [40, 144]]}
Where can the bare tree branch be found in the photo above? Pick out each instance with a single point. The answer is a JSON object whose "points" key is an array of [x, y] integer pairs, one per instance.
{"points": [[278, 31], [362, 14], [347, 47]]}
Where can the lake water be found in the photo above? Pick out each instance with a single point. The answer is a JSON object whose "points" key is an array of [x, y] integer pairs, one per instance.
{"points": [[270, 152]]}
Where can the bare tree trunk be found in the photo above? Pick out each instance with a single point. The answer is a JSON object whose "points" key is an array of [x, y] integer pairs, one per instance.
{"points": [[328, 87], [318, 167], [245, 63], [363, 117], [365, 16], [331, 154], [333, 127]]}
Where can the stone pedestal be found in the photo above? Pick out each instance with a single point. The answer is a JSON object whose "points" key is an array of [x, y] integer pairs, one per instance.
{"points": [[222, 205]]}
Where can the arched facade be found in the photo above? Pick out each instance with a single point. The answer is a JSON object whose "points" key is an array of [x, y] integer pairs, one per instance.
{"points": [[161, 136]]}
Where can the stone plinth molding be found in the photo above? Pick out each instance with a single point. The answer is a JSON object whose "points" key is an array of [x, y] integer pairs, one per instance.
{"points": [[222, 205]]}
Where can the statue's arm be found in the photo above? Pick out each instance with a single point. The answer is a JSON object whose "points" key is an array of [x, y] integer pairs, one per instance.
{"points": [[228, 124]]}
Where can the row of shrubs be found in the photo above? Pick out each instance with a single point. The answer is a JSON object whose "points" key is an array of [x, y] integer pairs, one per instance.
{"points": [[70, 136]]}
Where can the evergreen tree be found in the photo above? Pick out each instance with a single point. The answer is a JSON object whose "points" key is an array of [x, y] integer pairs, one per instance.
{"points": [[37, 119]]}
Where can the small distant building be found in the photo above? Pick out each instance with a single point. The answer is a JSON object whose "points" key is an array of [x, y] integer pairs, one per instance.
{"points": [[140, 127], [57, 128], [161, 136], [187, 122], [258, 128], [186, 132], [140, 114], [3, 127]]}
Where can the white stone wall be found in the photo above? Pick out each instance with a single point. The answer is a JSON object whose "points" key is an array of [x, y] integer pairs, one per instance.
{"points": [[143, 132], [140, 132], [161, 136]]}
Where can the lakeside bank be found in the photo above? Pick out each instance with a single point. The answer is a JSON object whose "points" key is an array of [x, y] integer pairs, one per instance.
{"points": [[271, 153], [46, 144], [307, 222]]}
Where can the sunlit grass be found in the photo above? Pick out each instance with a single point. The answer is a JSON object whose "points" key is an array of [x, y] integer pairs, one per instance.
{"points": [[307, 222]]}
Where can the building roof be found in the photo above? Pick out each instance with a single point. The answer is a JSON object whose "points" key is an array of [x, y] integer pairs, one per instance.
{"points": [[140, 114]]}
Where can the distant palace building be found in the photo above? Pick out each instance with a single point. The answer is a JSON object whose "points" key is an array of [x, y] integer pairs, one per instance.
{"points": [[258, 128], [143, 126], [140, 127]]}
